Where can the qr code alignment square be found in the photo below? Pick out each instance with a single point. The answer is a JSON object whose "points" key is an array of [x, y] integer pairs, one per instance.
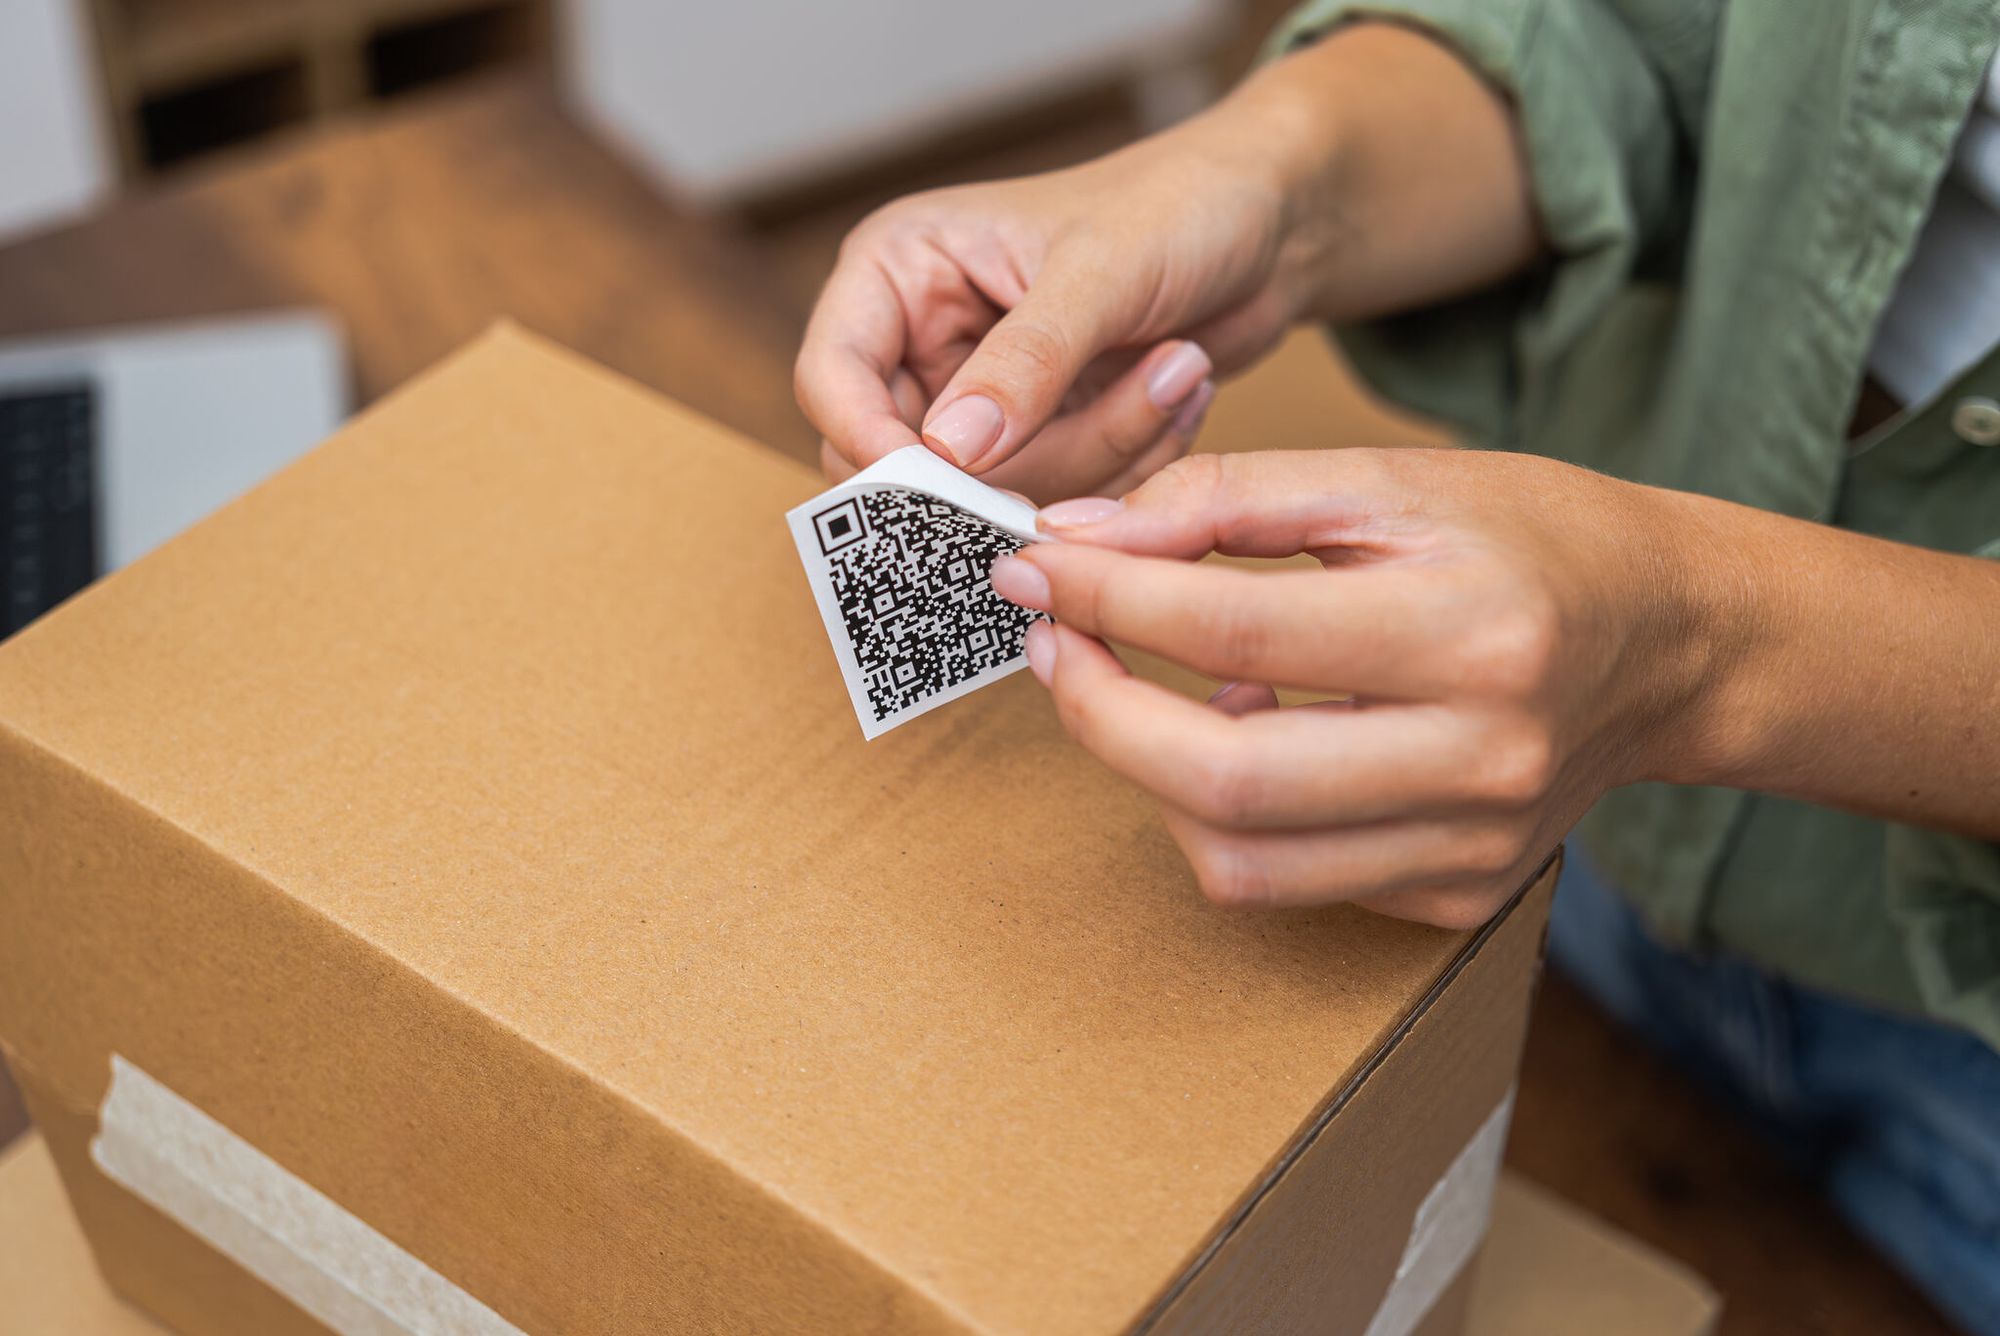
{"points": [[914, 597]]}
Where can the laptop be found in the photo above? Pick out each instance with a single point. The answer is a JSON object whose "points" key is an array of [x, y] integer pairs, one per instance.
{"points": [[113, 441]]}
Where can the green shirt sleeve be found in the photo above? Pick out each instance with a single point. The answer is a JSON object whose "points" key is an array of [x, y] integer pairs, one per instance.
{"points": [[1604, 104]]}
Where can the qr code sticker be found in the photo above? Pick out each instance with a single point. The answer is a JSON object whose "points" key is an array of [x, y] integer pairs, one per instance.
{"points": [[909, 574]]}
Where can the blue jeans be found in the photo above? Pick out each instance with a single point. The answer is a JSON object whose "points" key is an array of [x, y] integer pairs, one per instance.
{"points": [[1897, 1120]]}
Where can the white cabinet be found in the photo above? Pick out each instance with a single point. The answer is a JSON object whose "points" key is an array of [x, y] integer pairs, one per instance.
{"points": [[53, 158], [724, 99]]}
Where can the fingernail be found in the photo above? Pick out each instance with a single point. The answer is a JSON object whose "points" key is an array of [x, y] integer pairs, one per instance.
{"points": [[1040, 647], [1175, 378], [967, 429], [1083, 510], [1222, 691], [1188, 420], [1020, 582]]}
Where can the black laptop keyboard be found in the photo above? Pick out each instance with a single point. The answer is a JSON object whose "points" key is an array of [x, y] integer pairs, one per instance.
{"points": [[48, 487]]}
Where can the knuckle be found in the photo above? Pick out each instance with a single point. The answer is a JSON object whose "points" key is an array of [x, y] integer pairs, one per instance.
{"points": [[885, 222], [1518, 773], [1489, 854], [805, 385], [1241, 636], [1078, 713], [1513, 650], [1227, 790], [1191, 479], [1455, 911], [1124, 443], [1229, 875], [1036, 353], [1083, 598]]}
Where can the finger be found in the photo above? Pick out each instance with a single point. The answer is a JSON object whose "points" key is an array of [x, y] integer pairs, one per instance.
{"points": [[1241, 698], [852, 349], [1240, 337], [1457, 908], [834, 464], [1374, 631], [907, 392], [908, 396], [1179, 438], [1434, 870], [1263, 769], [1014, 382], [1270, 503], [1153, 404]]}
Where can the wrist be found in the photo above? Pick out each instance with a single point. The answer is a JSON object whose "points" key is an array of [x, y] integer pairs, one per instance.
{"points": [[1713, 626], [1284, 129], [1396, 168]]}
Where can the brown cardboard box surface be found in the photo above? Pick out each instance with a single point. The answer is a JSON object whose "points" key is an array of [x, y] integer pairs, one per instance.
{"points": [[471, 818], [1549, 1269]]}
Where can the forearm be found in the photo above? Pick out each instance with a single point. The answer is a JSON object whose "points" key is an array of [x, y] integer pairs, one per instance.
{"points": [[1840, 669], [1399, 171]]}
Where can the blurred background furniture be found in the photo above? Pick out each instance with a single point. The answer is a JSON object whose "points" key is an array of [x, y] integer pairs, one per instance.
{"points": [[416, 231], [418, 220], [54, 158], [184, 77], [710, 96]]}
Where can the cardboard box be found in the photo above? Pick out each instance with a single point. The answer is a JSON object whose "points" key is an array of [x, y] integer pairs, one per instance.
{"points": [[1548, 1269], [447, 890], [48, 1286]]}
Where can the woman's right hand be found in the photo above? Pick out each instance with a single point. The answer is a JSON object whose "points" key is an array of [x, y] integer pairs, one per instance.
{"points": [[1058, 333], [1055, 333]]}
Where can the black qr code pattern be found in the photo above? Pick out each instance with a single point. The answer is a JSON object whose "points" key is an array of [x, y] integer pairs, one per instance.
{"points": [[909, 573]]}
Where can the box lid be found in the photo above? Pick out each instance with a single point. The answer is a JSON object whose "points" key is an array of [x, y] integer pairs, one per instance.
{"points": [[516, 680]]}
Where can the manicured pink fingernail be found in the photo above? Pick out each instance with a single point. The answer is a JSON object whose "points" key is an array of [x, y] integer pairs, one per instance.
{"points": [[1175, 378], [967, 429], [1188, 420], [1040, 647], [1020, 582], [1083, 510]]}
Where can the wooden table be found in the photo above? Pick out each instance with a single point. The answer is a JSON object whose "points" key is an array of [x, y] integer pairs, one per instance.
{"points": [[418, 228]]}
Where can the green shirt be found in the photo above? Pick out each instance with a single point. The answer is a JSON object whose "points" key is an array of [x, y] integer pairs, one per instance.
{"points": [[1730, 189]]}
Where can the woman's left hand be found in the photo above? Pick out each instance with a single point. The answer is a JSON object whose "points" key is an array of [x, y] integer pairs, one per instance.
{"points": [[1512, 639]]}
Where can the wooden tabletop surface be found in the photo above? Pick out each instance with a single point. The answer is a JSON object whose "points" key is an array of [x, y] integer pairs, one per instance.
{"points": [[420, 227]]}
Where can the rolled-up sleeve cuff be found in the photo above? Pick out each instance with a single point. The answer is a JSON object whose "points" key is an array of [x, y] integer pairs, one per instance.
{"points": [[1600, 144]]}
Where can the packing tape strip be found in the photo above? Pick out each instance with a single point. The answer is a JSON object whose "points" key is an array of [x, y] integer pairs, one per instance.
{"points": [[323, 1258], [1447, 1228], [287, 1233]]}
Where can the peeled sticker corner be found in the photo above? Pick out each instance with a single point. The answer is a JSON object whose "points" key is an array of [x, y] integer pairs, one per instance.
{"points": [[282, 1230], [898, 558]]}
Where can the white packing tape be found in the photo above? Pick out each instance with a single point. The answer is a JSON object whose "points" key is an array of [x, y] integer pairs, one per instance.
{"points": [[1447, 1229], [287, 1233]]}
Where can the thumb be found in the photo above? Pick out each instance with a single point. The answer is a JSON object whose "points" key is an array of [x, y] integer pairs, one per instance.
{"points": [[1015, 380]]}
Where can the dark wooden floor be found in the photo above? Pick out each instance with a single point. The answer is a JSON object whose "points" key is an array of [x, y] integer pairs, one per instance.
{"points": [[1607, 1125]]}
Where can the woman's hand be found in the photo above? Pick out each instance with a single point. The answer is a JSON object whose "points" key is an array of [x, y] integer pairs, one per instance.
{"points": [[1059, 333], [1056, 333], [1512, 642]]}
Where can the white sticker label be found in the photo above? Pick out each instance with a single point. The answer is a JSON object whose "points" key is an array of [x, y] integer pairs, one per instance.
{"points": [[285, 1232], [898, 558]]}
